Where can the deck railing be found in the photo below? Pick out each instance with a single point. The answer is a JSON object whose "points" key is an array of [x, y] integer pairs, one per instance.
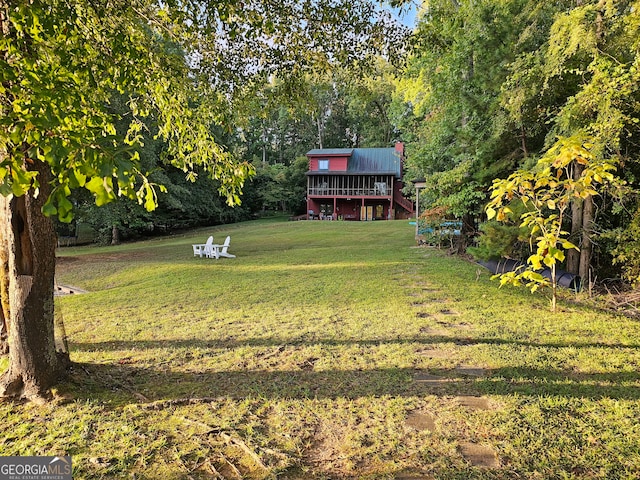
{"points": [[349, 192]]}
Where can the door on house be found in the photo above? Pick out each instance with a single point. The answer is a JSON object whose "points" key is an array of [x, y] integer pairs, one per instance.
{"points": [[366, 213]]}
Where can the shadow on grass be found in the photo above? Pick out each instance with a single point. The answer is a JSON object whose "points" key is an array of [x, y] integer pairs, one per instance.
{"points": [[118, 345], [130, 384], [124, 382]]}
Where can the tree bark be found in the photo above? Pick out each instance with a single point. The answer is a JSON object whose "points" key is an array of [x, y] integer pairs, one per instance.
{"points": [[115, 235], [586, 246], [29, 241], [573, 256], [320, 132], [523, 141]]}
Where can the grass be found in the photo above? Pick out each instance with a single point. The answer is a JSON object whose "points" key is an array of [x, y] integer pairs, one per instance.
{"points": [[312, 354]]}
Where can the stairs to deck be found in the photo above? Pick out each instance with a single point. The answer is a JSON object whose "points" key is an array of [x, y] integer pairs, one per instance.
{"points": [[404, 202]]}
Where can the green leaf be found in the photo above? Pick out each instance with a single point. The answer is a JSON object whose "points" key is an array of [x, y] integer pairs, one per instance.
{"points": [[65, 209], [49, 208], [21, 181], [557, 254], [535, 277], [76, 179], [101, 190], [150, 199], [535, 261]]}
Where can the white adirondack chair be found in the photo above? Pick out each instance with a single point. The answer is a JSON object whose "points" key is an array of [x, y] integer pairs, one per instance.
{"points": [[225, 246], [200, 249]]}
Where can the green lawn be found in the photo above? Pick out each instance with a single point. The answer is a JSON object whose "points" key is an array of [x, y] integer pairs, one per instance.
{"points": [[328, 350]]}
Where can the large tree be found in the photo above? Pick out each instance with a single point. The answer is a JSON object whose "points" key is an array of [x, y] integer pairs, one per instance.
{"points": [[180, 63]]}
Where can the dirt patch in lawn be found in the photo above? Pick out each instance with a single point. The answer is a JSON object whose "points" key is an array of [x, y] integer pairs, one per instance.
{"points": [[479, 455], [421, 421], [472, 402], [436, 353], [128, 256]]}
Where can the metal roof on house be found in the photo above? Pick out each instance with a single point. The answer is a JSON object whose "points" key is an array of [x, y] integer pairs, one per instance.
{"points": [[375, 160], [363, 161], [331, 151], [370, 161]]}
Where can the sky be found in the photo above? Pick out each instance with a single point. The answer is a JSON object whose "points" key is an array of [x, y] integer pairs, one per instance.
{"points": [[407, 14]]}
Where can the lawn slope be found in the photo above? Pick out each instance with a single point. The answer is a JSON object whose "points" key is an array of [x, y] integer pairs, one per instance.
{"points": [[328, 350]]}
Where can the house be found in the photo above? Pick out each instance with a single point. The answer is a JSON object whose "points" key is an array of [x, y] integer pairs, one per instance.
{"points": [[356, 184]]}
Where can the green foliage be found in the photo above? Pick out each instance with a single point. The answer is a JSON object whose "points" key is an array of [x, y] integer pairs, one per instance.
{"points": [[627, 249], [494, 84], [547, 193], [279, 187], [505, 239], [597, 43], [335, 109], [63, 64], [453, 82], [453, 189], [497, 241], [180, 64], [369, 107]]}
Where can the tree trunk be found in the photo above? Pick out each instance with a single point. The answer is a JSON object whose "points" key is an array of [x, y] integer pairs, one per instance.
{"points": [[4, 337], [29, 240], [577, 205], [320, 126], [573, 256], [554, 288], [115, 235], [586, 246], [264, 144], [523, 141], [467, 232]]}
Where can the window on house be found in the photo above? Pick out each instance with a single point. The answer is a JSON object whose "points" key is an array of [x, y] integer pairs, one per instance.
{"points": [[323, 164]]}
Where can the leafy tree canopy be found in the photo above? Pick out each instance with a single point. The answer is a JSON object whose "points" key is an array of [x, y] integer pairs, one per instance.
{"points": [[496, 86], [181, 63]]}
